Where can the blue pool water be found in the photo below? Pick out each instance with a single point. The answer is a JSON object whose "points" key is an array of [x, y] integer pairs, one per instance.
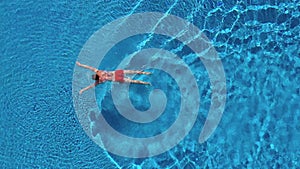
{"points": [[257, 41]]}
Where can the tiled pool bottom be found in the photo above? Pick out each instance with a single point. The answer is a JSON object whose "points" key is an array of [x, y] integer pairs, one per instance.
{"points": [[257, 41]]}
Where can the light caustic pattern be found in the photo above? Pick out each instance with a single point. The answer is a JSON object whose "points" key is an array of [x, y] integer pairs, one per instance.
{"points": [[153, 23]]}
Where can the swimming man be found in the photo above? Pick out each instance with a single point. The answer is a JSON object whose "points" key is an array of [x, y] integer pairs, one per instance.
{"points": [[101, 76]]}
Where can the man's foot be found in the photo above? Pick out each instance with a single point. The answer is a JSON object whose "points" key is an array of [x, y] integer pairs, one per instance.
{"points": [[146, 83], [144, 73]]}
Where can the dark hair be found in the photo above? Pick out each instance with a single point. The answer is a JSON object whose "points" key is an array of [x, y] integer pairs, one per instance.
{"points": [[95, 77]]}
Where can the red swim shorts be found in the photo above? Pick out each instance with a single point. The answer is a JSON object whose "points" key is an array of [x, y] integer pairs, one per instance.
{"points": [[119, 76]]}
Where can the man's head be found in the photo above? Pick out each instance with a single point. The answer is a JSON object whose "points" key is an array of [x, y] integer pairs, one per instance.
{"points": [[95, 77]]}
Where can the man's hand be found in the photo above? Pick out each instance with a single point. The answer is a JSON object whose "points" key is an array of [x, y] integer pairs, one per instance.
{"points": [[77, 63], [81, 91]]}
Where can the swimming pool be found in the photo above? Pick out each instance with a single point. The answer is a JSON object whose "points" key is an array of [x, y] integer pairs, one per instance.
{"points": [[258, 43]]}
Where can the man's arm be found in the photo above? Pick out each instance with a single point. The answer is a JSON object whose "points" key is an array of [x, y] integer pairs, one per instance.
{"points": [[87, 67], [89, 87]]}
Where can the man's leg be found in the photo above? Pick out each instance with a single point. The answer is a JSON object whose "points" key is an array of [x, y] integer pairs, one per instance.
{"points": [[136, 81], [136, 72]]}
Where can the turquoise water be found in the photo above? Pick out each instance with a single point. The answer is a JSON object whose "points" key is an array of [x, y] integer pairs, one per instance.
{"points": [[257, 41]]}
